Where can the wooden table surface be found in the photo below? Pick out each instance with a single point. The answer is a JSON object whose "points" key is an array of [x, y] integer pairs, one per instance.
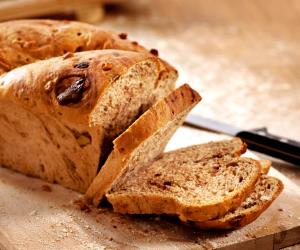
{"points": [[242, 56], [37, 216]]}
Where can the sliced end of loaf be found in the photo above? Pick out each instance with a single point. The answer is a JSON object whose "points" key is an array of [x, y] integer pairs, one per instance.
{"points": [[266, 191], [143, 141]]}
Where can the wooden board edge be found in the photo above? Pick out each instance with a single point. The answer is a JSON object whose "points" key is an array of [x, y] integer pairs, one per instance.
{"points": [[279, 240], [287, 238]]}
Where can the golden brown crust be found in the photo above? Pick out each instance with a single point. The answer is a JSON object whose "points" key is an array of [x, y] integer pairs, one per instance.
{"points": [[147, 125], [244, 218], [26, 41]]}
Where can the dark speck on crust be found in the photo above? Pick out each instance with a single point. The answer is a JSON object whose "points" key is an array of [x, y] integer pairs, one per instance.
{"points": [[123, 35], [236, 222], [46, 188], [82, 65], [116, 54], [154, 52], [106, 66]]}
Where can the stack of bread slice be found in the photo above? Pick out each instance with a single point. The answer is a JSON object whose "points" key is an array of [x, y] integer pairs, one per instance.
{"points": [[96, 118], [208, 185]]}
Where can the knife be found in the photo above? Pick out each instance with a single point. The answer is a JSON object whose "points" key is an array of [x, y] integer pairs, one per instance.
{"points": [[259, 140]]}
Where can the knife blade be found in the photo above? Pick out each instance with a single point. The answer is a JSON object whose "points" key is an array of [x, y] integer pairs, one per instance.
{"points": [[259, 139]]}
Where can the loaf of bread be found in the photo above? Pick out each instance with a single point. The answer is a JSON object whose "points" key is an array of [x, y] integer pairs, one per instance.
{"points": [[58, 117], [87, 93], [143, 141]]}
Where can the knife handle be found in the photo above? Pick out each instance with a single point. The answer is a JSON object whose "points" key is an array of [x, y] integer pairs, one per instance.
{"points": [[261, 140]]}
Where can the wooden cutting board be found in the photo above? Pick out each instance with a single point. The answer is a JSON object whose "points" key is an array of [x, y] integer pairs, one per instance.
{"points": [[34, 216]]}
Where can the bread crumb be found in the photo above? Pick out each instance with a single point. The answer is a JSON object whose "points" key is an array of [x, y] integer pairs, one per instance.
{"points": [[265, 198], [33, 213], [280, 209], [46, 188], [80, 204]]}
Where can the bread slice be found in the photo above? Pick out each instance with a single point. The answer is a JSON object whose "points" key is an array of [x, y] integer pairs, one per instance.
{"points": [[200, 182], [266, 191], [143, 141], [59, 116]]}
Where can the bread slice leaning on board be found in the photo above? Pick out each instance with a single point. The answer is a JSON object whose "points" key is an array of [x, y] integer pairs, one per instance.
{"points": [[67, 111], [143, 141]]}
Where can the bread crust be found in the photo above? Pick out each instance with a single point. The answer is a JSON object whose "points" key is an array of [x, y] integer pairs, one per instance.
{"points": [[179, 101], [26, 41], [244, 218]]}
